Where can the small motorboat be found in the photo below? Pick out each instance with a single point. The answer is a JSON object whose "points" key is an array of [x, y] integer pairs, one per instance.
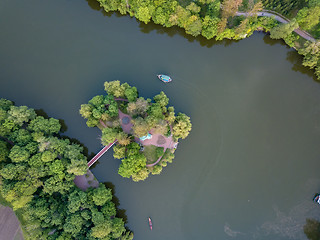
{"points": [[164, 78], [317, 198], [150, 223]]}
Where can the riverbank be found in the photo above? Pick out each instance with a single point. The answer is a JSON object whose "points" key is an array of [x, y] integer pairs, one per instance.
{"points": [[221, 20]]}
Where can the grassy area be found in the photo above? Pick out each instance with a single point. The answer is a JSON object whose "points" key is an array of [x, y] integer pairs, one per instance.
{"points": [[150, 153], [3, 201]]}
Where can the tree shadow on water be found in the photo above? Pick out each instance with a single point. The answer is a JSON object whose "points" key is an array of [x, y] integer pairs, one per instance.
{"points": [[94, 4], [296, 59], [172, 31], [41, 112], [121, 213], [292, 56], [272, 42], [312, 229], [175, 30]]}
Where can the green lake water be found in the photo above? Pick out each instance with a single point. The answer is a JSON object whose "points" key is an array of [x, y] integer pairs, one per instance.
{"points": [[249, 168]]}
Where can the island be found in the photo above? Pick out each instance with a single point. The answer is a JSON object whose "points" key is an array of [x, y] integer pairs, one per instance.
{"points": [[145, 132]]}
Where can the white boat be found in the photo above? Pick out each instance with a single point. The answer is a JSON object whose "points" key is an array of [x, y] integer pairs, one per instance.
{"points": [[164, 78]]}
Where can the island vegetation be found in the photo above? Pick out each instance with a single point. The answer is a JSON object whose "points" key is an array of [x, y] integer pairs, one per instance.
{"points": [[146, 131], [37, 172], [298, 25]]}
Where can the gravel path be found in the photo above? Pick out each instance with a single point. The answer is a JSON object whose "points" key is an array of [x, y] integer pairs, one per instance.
{"points": [[9, 225], [85, 181]]}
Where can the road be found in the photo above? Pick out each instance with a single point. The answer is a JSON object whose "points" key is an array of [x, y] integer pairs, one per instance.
{"points": [[281, 19]]}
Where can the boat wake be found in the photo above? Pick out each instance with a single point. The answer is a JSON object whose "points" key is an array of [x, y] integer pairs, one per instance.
{"points": [[231, 232]]}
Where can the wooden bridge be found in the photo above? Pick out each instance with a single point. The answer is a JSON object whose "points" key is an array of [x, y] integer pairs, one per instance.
{"points": [[99, 154]]}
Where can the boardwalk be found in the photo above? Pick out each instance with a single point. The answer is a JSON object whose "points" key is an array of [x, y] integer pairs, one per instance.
{"points": [[99, 154]]}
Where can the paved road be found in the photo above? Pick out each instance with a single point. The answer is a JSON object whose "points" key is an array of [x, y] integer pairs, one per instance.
{"points": [[281, 19]]}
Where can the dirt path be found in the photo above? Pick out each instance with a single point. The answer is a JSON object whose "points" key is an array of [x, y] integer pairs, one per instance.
{"points": [[282, 19], [85, 181], [9, 225]]}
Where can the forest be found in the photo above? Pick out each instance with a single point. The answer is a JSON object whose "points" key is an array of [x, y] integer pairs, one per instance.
{"points": [[37, 169], [150, 120], [222, 19]]}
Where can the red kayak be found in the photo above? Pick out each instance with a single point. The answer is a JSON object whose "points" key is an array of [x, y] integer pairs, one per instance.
{"points": [[150, 223]]}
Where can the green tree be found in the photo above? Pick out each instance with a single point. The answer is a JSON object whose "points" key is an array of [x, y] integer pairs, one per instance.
{"points": [[138, 108], [157, 169], [307, 18], [115, 89], [131, 93], [132, 165], [73, 224], [109, 135], [170, 117], [101, 230], [161, 99], [140, 127], [4, 152], [119, 151], [194, 8], [123, 138], [19, 154], [140, 175], [21, 137], [5, 104], [143, 14], [283, 29], [193, 26], [76, 200], [311, 53], [109, 210], [101, 195], [182, 126], [209, 27], [117, 227], [77, 167], [86, 110], [21, 114], [48, 126]]}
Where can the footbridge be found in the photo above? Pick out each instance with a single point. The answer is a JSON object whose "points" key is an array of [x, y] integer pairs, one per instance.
{"points": [[99, 154]]}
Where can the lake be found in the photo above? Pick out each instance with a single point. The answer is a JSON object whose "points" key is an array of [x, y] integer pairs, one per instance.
{"points": [[249, 168]]}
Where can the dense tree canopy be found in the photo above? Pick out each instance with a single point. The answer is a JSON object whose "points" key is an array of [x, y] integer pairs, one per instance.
{"points": [[37, 169]]}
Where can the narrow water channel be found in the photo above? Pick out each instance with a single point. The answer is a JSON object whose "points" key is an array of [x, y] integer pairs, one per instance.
{"points": [[249, 168]]}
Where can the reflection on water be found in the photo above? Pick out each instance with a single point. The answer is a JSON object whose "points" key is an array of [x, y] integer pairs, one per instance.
{"points": [[94, 4], [121, 213], [292, 56], [175, 30], [296, 60], [172, 31], [230, 232], [312, 229], [272, 42]]}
